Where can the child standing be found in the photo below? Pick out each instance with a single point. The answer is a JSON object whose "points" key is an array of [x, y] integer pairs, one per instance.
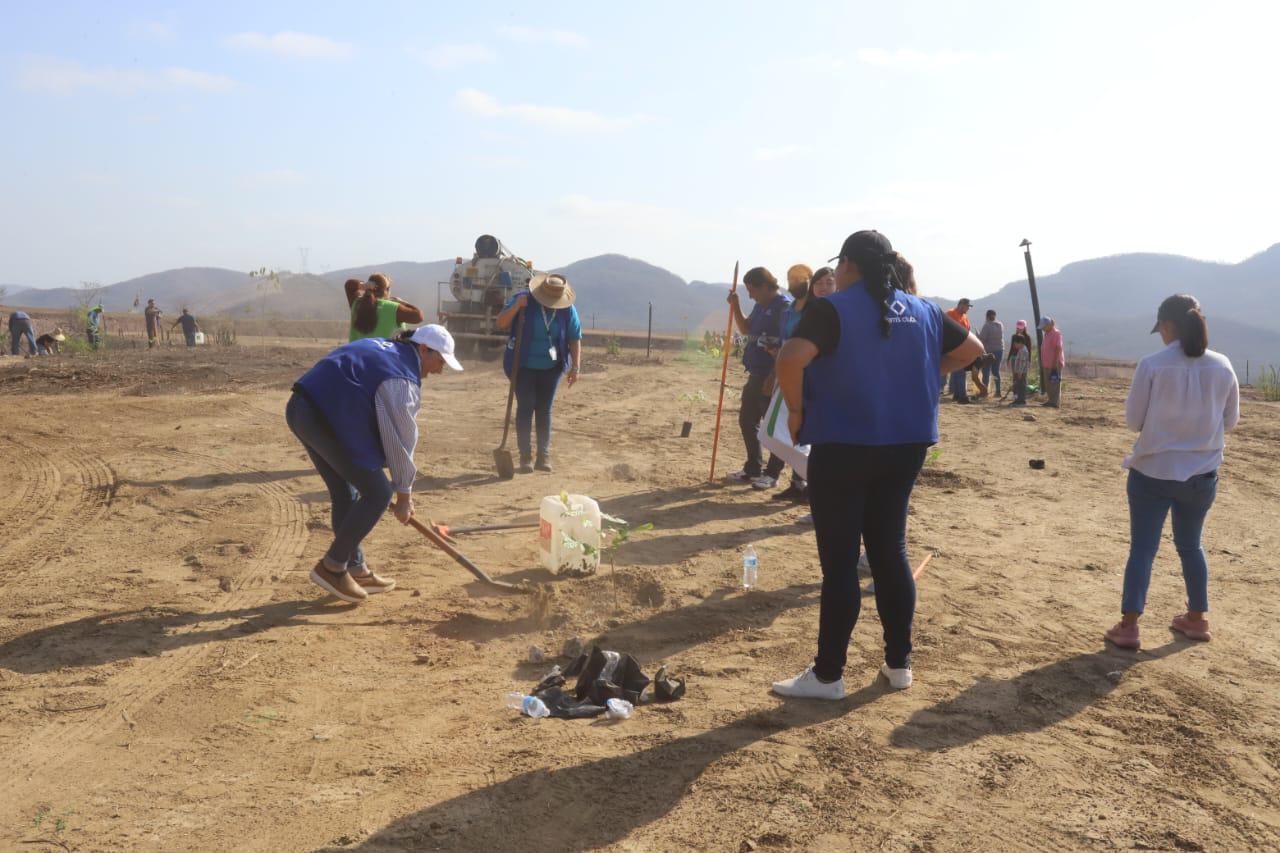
{"points": [[1020, 362]]}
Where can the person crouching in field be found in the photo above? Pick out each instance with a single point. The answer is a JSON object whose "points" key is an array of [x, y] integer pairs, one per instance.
{"points": [[1183, 401], [355, 412], [861, 376], [50, 343]]}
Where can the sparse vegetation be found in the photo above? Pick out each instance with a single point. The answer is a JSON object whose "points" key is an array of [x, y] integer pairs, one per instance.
{"points": [[613, 346], [1268, 384]]}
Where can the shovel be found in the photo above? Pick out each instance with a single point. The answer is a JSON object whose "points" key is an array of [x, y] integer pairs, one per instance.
{"points": [[479, 573], [502, 457]]}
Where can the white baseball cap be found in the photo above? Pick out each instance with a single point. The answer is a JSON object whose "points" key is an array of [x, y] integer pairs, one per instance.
{"points": [[437, 338]]}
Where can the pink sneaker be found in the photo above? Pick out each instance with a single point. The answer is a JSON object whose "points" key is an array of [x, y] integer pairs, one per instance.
{"points": [[1124, 636], [1194, 629]]}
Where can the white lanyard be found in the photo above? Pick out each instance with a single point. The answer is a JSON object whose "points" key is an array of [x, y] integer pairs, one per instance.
{"points": [[546, 323]]}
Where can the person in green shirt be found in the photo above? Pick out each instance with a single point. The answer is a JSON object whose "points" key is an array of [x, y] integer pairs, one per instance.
{"points": [[375, 313]]}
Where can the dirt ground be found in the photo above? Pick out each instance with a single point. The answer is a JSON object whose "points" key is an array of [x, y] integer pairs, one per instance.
{"points": [[169, 680]]}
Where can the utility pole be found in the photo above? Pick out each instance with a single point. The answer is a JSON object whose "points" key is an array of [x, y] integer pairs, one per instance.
{"points": [[303, 254], [1035, 306]]}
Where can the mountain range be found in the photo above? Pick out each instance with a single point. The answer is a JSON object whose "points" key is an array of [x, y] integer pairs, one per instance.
{"points": [[1104, 306]]}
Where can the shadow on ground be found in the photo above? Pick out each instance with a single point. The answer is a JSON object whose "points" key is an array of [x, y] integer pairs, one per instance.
{"points": [[595, 804], [108, 637], [1029, 702]]}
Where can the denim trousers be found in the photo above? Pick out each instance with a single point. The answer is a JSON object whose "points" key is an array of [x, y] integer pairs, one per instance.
{"points": [[19, 330], [959, 384], [1150, 501], [535, 393], [993, 367], [359, 497], [860, 493]]}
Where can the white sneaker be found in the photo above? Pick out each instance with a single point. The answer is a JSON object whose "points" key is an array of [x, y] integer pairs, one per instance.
{"points": [[807, 518], [764, 481], [739, 476], [899, 679], [807, 686]]}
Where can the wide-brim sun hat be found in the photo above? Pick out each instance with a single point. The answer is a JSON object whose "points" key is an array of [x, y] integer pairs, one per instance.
{"points": [[551, 290], [59, 338]]}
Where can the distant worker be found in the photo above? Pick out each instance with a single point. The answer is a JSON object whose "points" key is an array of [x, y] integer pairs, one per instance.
{"points": [[959, 378], [992, 337], [1183, 401], [551, 347], [355, 413], [763, 330], [1053, 359], [861, 377], [152, 315], [375, 313], [189, 326], [95, 326], [1020, 362], [50, 343], [21, 326]]}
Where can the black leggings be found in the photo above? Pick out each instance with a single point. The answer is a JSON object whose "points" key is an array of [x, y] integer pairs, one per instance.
{"points": [[858, 493], [754, 405]]}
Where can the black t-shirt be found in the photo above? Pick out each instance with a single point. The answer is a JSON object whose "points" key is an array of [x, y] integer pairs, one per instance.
{"points": [[820, 326]]}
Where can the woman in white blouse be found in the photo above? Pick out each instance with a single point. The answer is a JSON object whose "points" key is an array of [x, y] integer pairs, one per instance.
{"points": [[1183, 401]]}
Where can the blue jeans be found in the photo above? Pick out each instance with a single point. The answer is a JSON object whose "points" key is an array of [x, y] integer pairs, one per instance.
{"points": [[959, 384], [19, 330], [1150, 500], [861, 494], [359, 496], [535, 392], [993, 367]]}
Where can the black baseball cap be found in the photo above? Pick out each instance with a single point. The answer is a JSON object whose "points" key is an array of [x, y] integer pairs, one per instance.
{"points": [[862, 244]]}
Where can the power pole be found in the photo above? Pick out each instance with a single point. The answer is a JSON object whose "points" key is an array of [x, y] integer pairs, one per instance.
{"points": [[303, 253], [1035, 306]]}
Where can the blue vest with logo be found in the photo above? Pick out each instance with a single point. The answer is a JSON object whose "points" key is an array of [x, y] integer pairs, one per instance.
{"points": [[559, 333], [875, 390], [342, 385]]}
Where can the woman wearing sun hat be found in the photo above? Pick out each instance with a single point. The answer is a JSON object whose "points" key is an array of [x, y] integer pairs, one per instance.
{"points": [[550, 347]]}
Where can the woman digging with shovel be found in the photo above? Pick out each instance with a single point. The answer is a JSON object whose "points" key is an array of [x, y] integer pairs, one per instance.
{"points": [[550, 347], [355, 413]]}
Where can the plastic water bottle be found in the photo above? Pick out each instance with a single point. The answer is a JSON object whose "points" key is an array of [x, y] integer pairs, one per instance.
{"points": [[530, 706], [750, 568], [618, 709]]}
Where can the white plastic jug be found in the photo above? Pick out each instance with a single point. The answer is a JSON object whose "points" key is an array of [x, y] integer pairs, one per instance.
{"points": [[569, 534], [199, 338]]}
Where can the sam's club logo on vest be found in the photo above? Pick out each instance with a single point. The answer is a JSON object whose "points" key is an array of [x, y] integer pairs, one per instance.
{"points": [[898, 313]]}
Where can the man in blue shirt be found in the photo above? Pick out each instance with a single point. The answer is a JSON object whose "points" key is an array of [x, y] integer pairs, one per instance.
{"points": [[763, 330], [20, 326], [550, 347]]}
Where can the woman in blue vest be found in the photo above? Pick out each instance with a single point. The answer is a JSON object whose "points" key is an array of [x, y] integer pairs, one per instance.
{"points": [[550, 347], [355, 412], [862, 376]]}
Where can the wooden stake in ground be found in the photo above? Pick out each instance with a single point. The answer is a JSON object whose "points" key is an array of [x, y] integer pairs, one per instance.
{"points": [[726, 345]]}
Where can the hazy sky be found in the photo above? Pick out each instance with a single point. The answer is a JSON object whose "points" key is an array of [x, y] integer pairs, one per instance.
{"points": [[143, 136]]}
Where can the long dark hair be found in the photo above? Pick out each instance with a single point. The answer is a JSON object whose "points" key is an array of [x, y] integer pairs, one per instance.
{"points": [[880, 274], [1183, 311]]}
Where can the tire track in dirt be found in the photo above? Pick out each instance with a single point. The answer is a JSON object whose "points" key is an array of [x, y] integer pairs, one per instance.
{"points": [[36, 479], [55, 517], [48, 749]]}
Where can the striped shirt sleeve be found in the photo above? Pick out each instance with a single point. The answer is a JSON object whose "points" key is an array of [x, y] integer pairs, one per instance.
{"points": [[396, 403]]}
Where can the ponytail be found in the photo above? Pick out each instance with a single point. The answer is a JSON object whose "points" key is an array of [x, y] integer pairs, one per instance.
{"points": [[366, 319], [1193, 333], [881, 277]]}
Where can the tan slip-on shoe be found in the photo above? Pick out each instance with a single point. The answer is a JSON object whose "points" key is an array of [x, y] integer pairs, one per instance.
{"points": [[341, 585]]}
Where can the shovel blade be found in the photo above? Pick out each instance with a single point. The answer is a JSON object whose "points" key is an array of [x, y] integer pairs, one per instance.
{"points": [[503, 462]]}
